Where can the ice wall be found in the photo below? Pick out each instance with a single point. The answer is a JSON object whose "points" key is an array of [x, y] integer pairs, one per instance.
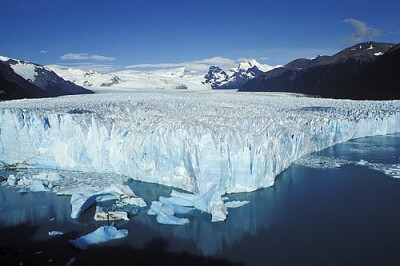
{"points": [[198, 141]]}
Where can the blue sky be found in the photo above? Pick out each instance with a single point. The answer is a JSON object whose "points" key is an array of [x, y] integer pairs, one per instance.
{"points": [[116, 33]]}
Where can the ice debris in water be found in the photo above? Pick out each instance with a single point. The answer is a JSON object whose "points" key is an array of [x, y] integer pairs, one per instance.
{"points": [[392, 170], [236, 204], [55, 233], [124, 194], [315, 161], [70, 262], [34, 183], [103, 214], [100, 235], [182, 203]]}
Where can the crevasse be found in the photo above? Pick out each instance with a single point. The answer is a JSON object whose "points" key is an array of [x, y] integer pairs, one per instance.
{"points": [[192, 141]]}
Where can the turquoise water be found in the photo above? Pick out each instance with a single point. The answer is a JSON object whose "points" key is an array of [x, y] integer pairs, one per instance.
{"points": [[336, 211]]}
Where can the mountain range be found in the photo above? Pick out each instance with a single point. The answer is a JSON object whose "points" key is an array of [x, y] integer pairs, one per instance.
{"points": [[366, 71], [20, 79], [234, 78]]}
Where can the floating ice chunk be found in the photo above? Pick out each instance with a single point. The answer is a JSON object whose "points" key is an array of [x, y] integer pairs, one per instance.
{"points": [[130, 210], [38, 186], [12, 180], [166, 216], [177, 200], [210, 202], [41, 182], [124, 189], [102, 214], [172, 220], [80, 202], [55, 233], [236, 204], [218, 211], [181, 209], [70, 262], [166, 213], [154, 208], [183, 203], [136, 201], [100, 235], [362, 162]]}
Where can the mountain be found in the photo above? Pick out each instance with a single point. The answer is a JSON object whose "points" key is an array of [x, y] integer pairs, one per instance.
{"points": [[20, 79], [84, 78], [364, 71], [235, 77], [172, 78]]}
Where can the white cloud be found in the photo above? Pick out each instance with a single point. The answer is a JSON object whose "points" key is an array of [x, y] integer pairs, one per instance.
{"points": [[43, 52], [361, 32], [197, 65], [85, 56]]}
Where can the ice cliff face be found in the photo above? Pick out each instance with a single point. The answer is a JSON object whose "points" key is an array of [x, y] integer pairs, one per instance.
{"points": [[195, 141]]}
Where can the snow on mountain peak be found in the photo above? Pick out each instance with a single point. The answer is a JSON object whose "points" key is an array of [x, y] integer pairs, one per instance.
{"points": [[85, 78], [235, 77], [27, 70], [3, 58], [250, 63]]}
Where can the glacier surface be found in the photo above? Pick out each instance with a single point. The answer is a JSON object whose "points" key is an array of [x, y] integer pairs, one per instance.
{"points": [[197, 141]]}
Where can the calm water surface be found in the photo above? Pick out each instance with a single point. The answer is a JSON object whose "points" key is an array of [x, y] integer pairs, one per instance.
{"points": [[321, 216]]}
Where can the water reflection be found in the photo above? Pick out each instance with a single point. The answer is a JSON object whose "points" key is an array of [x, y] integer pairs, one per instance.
{"points": [[35, 208]]}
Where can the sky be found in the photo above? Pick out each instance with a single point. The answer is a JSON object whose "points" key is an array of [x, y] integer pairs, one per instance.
{"points": [[111, 35]]}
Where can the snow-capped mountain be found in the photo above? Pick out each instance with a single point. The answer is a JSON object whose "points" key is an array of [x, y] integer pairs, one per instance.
{"points": [[175, 78], [84, 78], [366, 71], [235, 77], [20, 79]]}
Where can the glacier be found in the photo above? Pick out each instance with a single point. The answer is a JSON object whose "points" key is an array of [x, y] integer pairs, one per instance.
{"points": [[193, 140]]}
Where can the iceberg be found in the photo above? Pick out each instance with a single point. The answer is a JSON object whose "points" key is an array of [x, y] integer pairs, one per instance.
{"points": [[183, 203], [103, 214], [195, 141], [100, 235], [236, 204], [38, 186], [82, 201]]}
